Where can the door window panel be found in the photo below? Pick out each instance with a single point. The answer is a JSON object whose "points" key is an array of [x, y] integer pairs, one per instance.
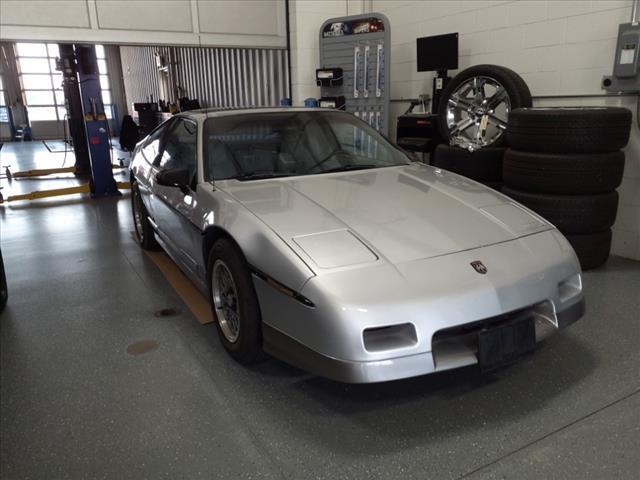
{"points": [[32, 49], [56, 78], [39, 97], [42, 113], [37, 82], [34, 65], [53, 50], [102, 66], [59, 97], [4, 117]]}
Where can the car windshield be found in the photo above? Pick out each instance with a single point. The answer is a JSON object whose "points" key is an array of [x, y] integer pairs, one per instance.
{"points": [[267, 145]]}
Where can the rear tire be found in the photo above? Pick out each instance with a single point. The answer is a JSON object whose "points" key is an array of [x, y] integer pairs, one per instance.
{"points": [[570, 174], [234, 303], [592, 249], [144, 232], [572, 214]]}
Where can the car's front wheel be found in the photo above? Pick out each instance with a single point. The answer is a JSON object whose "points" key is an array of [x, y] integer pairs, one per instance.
{"points": [[143, 228], [234, 302], [4, 293]]}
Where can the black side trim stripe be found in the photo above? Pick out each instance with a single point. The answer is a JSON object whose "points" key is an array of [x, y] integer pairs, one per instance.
{"points": [[281, 287]]}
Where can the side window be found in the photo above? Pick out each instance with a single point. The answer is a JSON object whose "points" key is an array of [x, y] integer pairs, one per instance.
{"points": [[180, 147], [151, 147]]}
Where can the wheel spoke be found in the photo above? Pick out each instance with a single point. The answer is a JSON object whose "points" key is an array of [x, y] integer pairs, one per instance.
{"points": [[456, 101], [497, 98], [478, 88], [464, 90], [479, 136], [461, 126], [497, 122], [224, 286]]}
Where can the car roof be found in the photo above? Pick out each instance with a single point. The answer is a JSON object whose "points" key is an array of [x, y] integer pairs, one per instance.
{"points": [[221, 112]]}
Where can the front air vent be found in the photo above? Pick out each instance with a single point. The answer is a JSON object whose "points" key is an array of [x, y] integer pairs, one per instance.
{"points": [[381, 339]]}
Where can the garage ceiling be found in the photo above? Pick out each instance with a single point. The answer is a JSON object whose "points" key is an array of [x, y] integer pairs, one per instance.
{"points": [[251, 23]]}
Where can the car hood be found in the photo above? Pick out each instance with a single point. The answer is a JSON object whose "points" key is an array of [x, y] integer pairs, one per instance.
{"points": [[397, 214]]}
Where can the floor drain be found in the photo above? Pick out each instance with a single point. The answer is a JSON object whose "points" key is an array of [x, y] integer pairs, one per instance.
{"points": [[166, 312], [142, 347]]}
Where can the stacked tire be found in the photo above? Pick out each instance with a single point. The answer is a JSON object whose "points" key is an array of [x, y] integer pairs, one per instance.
{"points": [[483, 165], [565, 164]]}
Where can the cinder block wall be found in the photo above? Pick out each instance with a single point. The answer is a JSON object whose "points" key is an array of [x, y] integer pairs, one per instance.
{"points": [[559, 47]]}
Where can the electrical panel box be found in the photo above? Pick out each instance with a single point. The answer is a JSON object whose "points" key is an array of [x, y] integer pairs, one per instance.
{"points": [[358, 47], [625, 77]]}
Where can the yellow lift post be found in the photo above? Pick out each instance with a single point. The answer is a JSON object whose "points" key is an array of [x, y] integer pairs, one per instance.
{"points": [[45, 171], [56, 192]]}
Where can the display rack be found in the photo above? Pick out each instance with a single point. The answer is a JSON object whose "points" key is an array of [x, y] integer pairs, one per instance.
{"points": [[354, 67]]}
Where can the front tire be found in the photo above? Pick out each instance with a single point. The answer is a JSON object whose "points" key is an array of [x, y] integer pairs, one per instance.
{"points": [[143, 229], [234, 302]]}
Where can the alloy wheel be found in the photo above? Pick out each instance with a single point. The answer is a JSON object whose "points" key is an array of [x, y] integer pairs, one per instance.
{"points": [[226, 301], [477, 112]]}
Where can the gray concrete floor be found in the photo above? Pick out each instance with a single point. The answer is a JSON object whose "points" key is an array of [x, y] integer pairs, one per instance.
{"points": [[74, 404]]}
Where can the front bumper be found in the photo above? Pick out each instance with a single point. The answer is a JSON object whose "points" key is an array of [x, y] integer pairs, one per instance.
{"points": [[441, 358], [391, 321]]}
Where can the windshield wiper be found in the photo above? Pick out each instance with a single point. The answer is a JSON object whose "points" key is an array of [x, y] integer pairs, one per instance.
{"points": [[260, 176], [346, 168]]}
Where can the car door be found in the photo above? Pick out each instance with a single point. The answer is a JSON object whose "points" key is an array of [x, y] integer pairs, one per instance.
{"points": [[173, 207], [145, 170]]}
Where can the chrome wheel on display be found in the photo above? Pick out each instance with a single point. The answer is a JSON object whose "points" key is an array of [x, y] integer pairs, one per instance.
{"points": [[477, 112], [475, 106], [226, 301]]}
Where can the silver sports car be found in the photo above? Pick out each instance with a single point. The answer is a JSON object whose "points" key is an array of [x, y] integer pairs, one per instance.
{"points": [[321, 243]]}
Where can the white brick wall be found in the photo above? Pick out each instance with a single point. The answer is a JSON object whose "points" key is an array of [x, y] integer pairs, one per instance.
{"points": [[560, 47], [306, 18]]}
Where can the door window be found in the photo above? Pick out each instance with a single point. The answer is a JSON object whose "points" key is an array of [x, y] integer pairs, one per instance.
{"points": [[151, 147], [180, 147]]}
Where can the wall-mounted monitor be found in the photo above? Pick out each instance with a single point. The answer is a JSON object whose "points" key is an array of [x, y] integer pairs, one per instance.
{"points": [[439, 52]]}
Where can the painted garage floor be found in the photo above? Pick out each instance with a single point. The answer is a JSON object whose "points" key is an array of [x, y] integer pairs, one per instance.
{"points": [[80, 398]]}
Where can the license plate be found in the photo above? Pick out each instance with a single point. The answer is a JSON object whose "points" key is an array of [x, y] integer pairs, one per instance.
{"points": [[504, 344]]}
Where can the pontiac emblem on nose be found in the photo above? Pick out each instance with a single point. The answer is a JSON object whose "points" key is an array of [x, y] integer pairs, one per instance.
{"points": [[479, 267]]}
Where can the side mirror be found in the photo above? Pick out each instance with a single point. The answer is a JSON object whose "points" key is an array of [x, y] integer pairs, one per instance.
{"points": [[174, 177]]}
